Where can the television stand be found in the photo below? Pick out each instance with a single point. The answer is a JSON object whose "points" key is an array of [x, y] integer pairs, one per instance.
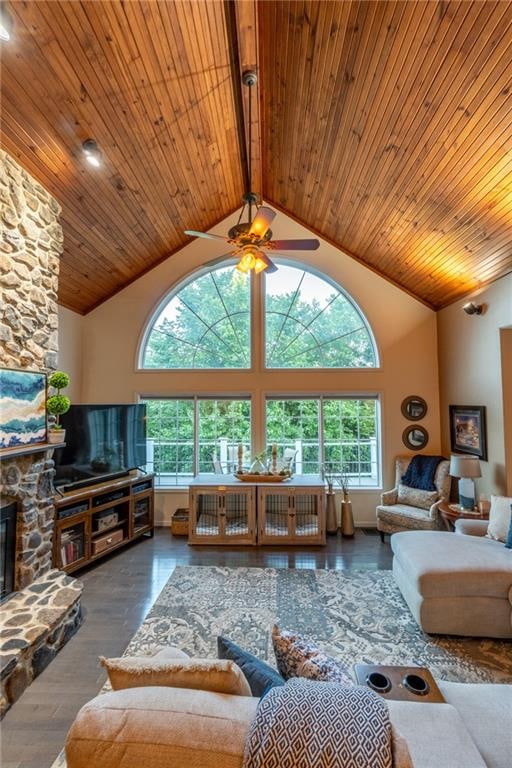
{"points": [[101, 517]]}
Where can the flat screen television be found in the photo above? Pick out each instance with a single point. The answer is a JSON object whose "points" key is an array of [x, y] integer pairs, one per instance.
{"points": [[102, 442]]}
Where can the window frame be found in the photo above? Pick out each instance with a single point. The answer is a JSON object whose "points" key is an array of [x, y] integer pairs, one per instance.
{"points": [[257, 321], [326, 278], [168, 296], [321, 398], [258, 425], [195, 400], [257, 383]]}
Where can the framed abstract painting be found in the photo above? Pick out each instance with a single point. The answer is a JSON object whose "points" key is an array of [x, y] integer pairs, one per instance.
{"points": [[468, 433], [22, 407]]}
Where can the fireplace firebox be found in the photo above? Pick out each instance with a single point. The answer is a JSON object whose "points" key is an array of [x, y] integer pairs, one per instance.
{"points": [[7, 548]]}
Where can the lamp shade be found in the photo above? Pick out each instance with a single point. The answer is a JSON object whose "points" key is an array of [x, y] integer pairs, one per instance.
{"points": [[464, 466]]}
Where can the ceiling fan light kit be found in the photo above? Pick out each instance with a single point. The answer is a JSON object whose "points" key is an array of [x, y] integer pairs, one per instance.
{"points": [[252, 236]]}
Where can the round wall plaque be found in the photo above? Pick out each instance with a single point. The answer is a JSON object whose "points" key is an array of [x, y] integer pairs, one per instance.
{"points": [[415, 437], [414, 408]]}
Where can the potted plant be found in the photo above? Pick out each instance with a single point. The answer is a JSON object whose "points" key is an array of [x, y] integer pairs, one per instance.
{"points": [[56, 405]]}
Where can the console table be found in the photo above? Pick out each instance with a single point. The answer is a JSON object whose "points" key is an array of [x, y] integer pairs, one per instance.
{"points": [[224, 510]]}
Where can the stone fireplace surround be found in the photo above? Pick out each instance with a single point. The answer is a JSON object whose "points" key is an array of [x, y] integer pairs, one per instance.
{"points": [[44, 611]]}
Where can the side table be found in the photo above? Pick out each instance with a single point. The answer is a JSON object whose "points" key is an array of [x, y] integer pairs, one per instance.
{"points": [[450, 513]]}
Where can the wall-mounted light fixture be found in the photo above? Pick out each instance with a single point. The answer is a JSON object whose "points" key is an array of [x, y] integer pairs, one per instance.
{"points": [[473, 309], [92, 152], [5, 23]]}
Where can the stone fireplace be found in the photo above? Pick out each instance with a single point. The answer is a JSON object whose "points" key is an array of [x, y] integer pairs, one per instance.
{"points": [[44, 608]]}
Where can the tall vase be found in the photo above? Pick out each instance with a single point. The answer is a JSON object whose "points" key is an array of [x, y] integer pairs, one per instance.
{"points": [[347, 518], [331, 520]]}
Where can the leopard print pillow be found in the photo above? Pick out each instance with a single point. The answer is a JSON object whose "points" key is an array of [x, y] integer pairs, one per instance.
{"points": [[297, 656], [415, 497]]}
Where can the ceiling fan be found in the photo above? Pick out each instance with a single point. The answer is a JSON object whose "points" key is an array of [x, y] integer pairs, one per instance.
{"points": [[251, 237]]}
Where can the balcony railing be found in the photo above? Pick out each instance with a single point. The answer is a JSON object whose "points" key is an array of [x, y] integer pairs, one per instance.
{"points": [[222, 454]]}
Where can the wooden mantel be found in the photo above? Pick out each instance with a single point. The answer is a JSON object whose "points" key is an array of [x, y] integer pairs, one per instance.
{"points": [[25, 450]]}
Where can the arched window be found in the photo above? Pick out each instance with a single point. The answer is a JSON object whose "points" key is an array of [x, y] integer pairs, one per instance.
{"points": [[205, 324], [309, 323], [219, 320]]}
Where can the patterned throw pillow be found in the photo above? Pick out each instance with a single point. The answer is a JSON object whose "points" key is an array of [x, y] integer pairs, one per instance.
{"points": [[415, 497], [499, 518], [297, 656], [508, 542]]}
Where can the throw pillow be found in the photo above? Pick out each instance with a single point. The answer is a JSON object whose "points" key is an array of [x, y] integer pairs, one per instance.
{"points": [[508, 542], [298, 657], [260, 676], [415, 497], [499, 518], [200, 674]]}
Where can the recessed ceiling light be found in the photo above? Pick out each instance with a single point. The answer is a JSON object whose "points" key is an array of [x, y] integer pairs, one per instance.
{"points": [[91, 152], [5, 23]]}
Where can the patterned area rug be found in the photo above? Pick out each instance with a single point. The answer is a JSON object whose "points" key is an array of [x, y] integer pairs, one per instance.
{"points": [[356, 616]]}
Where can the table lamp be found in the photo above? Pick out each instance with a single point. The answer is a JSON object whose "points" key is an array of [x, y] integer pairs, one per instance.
{"points": [[465, 468]]}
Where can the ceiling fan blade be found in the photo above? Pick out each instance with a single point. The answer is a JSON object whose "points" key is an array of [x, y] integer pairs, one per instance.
{"points": [[205, 235], [262, 221], [271, 267], [295, 245]]}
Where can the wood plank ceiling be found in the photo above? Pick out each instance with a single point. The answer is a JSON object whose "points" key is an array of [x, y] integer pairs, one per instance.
{"points": [[385, 127]]}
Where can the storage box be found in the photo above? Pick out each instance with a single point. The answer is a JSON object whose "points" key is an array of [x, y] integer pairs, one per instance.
{"points": [[108, 540], [106, 520], [179, 522]]}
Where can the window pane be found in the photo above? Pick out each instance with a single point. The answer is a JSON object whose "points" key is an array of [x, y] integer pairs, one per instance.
{"points": [[312, 324], [293, 426], [170, 431], [223, 425], [206, 324], [350, 439]]}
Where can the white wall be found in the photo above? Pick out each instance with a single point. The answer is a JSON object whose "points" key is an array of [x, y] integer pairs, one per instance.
{"points": [[471, 372], [404, 328], [71, 353]]}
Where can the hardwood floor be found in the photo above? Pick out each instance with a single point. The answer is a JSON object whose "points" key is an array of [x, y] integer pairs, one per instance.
{"points": [[118, 593]]}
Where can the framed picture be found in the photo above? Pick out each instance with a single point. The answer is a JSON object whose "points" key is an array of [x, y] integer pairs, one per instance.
{"points": [[468, 432], [22, 407]]}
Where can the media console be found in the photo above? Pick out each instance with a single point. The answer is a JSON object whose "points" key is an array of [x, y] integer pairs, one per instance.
{"points": [[93, 521]]}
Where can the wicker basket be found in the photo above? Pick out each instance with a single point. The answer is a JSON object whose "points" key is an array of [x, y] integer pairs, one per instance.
{"points": [[179, 522]]}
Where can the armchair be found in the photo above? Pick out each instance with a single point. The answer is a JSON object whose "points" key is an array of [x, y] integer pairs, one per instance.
{"points": [[404, 508]]}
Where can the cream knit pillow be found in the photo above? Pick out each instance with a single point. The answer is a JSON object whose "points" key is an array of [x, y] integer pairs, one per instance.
{"points": [[499, 518], [220, 676]]}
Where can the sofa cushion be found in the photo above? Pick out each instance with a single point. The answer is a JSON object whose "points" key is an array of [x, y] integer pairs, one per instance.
{"points": [[484, 709], [404, 516], [260, 676], [160, 727], [441, 564], [499, 518], [203, 674], [436, 735], [415, 497]]}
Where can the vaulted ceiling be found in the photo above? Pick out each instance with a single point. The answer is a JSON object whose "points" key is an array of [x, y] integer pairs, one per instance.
{"points": [[385, 127]]}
